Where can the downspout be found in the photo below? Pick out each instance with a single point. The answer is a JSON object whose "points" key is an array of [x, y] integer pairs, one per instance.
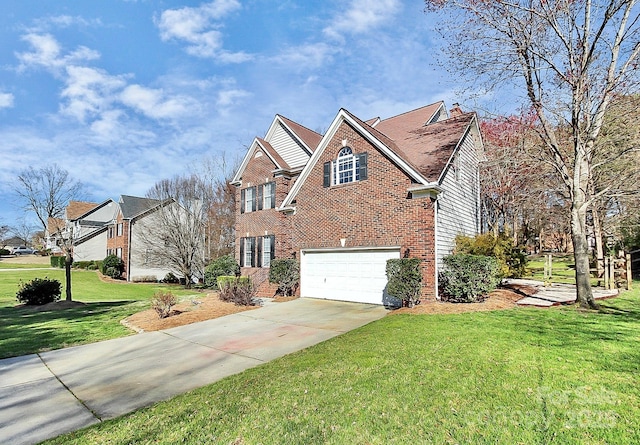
{"points": [[129, 250], [435, 237]]}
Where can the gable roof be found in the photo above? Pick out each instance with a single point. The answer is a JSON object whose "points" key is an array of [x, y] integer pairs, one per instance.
{"points": [[76, 209], [305, 140], [132, 206], [95, 208], [419, 148], [54, 225]]}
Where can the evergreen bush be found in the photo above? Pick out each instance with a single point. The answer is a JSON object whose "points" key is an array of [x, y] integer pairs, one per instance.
{"points": [[113, 266], [224, 265], [405, 280], [286, 274], [468, 278], [512, 259], [39, 291]]}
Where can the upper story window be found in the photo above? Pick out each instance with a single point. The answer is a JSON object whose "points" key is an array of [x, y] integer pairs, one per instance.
{"points": [[110, 232], [346, 168], [119, 229], [258, 197]]}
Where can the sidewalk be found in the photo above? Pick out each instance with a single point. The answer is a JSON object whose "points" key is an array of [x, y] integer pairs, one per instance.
{"points": [[45, 395]]}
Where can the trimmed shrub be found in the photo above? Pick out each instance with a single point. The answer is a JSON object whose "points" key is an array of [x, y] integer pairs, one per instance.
{"points": [[225, 265], [468, 278], [170, 278], [512, 259], [405, 280], [144, 279], [4, 252], [57, 261], [237, 290], [39, 291], [87, 265], [286, 274], [162, 302], [113, 266]]}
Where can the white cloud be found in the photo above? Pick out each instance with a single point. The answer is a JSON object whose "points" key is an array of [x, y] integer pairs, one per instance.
{"points": [[362, 16], [311, 55], [46, 53], [199, 28], [6, 100], [154, 103], [62, 21], [230, 97], [89, 91]]}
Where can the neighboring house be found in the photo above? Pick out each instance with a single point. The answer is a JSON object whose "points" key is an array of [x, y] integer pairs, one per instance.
{"points": [[125, 238], [346, 202], [89, 230], [53, 234]]}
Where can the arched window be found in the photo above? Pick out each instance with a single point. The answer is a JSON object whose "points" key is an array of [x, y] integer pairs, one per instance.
{"points": [[346, 167]]}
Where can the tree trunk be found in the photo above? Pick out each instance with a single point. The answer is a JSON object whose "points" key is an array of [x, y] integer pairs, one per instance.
{"points": [[581, 255], [68, 260]]}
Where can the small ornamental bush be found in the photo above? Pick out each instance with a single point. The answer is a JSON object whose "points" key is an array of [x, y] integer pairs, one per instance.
{"points": [[4, 252], [57, 261], [162, 302], [468, 278], [225, 265], [39, 291], [286, 274], [87, 265], [512, 259], [113, 266], [237, 290], [405, 280]]}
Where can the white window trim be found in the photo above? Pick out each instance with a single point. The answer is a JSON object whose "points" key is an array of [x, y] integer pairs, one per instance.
{"points": [[345, 158], [266, 254], [248, 199], [247, 253], [266, 195]]}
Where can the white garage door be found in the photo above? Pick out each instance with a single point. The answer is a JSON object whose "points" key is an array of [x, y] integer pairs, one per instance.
{"points": [[347, 275]]}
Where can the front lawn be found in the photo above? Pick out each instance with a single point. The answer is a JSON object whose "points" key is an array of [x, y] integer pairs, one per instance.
{"points": [[521, 376], [25, 330]]}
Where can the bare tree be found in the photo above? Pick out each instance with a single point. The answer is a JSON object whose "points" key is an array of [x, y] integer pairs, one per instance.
{"points": [[46, 192], [570, 59], [23, 230], [176, 237], [216, 173]]}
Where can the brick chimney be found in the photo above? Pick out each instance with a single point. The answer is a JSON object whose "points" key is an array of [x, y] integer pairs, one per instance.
{"points": [[455, 110]]}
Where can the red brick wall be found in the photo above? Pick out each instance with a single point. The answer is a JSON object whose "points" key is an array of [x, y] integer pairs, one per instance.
{"points": [[120, 241], [377, 211]]}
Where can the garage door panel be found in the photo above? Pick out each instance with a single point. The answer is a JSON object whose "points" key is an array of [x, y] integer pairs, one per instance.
{"points": [[357, 275]]}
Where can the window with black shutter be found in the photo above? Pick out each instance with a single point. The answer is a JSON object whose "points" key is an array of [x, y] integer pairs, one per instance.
{"points": [[346, 168]]}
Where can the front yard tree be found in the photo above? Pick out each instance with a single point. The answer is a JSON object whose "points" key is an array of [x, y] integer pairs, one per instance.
{"points": [[176, 237], [569, 59], [46, 192]]}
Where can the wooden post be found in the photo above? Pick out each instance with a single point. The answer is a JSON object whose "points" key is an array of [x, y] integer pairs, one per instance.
{"points": [[612, 273], [629, 277], [606, 272]]}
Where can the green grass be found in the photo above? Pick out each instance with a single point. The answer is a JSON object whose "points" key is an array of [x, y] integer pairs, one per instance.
{"points": [[563, 269], [4, 265], [521, 376], [24, 330]]}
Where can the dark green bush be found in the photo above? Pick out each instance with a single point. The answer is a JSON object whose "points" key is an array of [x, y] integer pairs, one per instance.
{"points": [[4, 252], [57, 261], [87, 265], [468, 278], [113, 266], [405, 280], [286, 274], [170, 278], [39, 291], [237, 290], [512, 259], [225, 265]]}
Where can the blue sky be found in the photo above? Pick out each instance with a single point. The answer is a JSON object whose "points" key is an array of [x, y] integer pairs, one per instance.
{"points": [[124, 93]]}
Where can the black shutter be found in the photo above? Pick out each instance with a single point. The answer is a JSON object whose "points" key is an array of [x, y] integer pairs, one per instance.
{"points": [[242, 252], [362, 162], [242, 193], [253, 203], [327, 174], [259, 196], [273, 246], [252, 242], [259, 252], [273, 195]]}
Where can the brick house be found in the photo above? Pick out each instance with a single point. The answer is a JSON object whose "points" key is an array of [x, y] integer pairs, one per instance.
{"points": [[344, 202], [124, 238]]}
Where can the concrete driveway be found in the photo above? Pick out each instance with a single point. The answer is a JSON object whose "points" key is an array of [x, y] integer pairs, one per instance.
{"points": [[45, 395]]}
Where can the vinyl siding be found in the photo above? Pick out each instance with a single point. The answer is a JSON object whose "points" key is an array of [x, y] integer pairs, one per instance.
{"points": [[458, 205], [286, 145], [94, 248]]}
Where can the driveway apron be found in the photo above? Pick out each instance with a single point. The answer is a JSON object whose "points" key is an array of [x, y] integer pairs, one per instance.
{"points": [[44, 395]]}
